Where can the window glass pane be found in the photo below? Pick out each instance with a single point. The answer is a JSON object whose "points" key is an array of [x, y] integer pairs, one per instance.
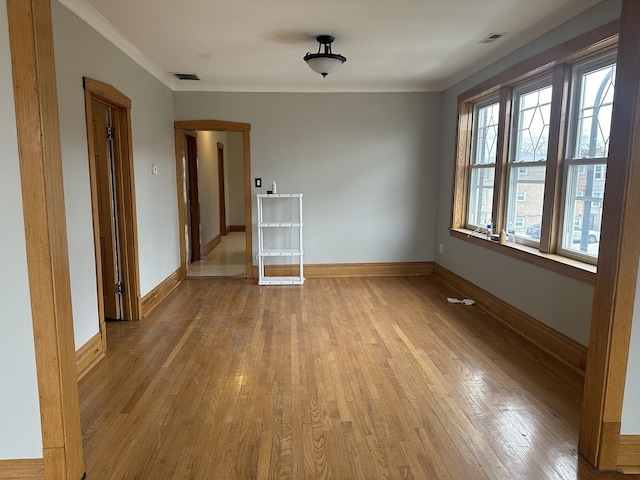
{"points": [[594, 112], [526, 194], [583, 210], [481, 196], [532, 125], [486, 134]]}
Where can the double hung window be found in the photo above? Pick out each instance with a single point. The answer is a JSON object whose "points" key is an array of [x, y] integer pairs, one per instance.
{"points": [[528, 158], [532, 154], [483, 162], [587, 149]]}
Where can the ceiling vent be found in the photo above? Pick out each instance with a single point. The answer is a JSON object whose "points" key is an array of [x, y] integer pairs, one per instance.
{"points": [[186, 76], [492, 37]]}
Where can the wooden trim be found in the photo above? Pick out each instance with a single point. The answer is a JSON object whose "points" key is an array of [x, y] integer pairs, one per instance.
{"points": [[615, 290], [331, 270], [596, 40], [555, 156], [461, 168], [223, 126], [248, 219], [575, 269], [152, 299], [93, 186], [502, 160], [236, 228], [89, 354], [215, 241], [31, 469], [38, 136], [125, 193], [181, 189], [565, 349], [106, 93], [212, 125], [629, 454]]}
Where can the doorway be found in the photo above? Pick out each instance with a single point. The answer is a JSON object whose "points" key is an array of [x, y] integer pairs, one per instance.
{"points": [[107, 212], [111, 173], [224, 229], [215, 210], [193, 197], [220, 156]]}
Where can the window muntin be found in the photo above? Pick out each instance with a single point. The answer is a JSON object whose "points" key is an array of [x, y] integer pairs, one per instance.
{"points": [[532, 105], [530, 141], [591, 108], [483, 160]]}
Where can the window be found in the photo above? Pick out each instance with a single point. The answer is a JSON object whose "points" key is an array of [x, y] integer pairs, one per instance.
{"points": [[532, 154], [529, 139], [593, 84], [485, 137]]}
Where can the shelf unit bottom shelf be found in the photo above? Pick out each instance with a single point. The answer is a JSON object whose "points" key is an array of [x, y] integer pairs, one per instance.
{"points": [[281, 281]]}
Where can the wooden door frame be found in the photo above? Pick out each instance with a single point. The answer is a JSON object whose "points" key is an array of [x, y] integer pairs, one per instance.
{"points": [[41, 178], [124, 180], [222, 201], [615, 289], [191, 184], [220, 126]]}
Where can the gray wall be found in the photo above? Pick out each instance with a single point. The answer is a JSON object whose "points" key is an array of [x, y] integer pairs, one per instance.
{"points": [[81, 51], [366, 164], [20, 435], [559, 301]]}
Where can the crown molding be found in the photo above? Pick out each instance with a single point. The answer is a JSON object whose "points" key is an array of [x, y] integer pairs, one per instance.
{"points": [[100, 24]]}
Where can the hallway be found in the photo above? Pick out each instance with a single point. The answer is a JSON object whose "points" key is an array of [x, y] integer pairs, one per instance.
{"points": [[227, 259]]}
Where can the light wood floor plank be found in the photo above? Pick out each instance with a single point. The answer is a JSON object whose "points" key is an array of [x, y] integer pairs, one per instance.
{"points": [[348, 378]]}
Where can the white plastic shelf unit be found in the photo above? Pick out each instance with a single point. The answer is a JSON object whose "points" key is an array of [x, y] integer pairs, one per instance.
{"points": [[292, 224]]}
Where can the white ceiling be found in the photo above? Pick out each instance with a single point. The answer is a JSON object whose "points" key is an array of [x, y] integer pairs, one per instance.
{"points": [[258, 45]]}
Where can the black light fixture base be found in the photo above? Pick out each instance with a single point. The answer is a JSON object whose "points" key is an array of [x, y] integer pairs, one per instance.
{"points": [[325, 39]]}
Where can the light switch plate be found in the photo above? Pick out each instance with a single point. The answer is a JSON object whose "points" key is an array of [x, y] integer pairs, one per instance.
{"points": [[258, 183]]}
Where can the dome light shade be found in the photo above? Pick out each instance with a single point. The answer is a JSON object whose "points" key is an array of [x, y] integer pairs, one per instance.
{"points": [[325, 62]]}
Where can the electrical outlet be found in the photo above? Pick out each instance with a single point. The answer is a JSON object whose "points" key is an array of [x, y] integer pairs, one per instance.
{"points": [[258, 182], [440, 248]]}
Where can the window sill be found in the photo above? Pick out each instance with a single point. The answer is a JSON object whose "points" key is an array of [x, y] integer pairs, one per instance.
{"points": [[583, 272]]}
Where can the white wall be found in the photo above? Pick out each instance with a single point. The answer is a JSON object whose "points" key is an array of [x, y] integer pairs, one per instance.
{"points": [[235, 187], [20, 434], [208, 184], [366, 164], [559, 301], [81, 51], [630, 407]]}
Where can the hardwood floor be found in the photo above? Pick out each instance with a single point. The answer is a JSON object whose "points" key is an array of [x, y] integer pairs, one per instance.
{"points": [[349, 378]]}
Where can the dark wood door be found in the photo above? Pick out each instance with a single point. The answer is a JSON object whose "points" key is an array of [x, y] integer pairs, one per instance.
{"points": [[194, 202], [106, 211], [221, 191]]}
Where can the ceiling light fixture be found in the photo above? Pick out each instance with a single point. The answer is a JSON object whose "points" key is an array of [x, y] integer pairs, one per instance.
{"points": [[326, 62]]}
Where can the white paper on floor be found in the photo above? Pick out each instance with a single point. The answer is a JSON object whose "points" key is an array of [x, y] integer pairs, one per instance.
{"points": [[465, 301]]}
